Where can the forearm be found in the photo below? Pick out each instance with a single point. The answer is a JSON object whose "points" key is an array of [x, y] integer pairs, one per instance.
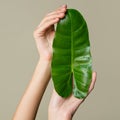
{"points": [[30, 101]]}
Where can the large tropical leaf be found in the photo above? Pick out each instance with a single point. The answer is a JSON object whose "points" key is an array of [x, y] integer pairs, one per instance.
{"points": [[71, 62]]}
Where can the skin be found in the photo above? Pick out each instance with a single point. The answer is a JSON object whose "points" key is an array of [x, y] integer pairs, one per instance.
{"points": [[59, 108]]}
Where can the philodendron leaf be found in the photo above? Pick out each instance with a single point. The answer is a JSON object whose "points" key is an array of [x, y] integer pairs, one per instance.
{"points": [[71, 62]]}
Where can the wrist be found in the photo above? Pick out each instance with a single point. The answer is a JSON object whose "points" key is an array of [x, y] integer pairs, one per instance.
{"points": [[46, 56], [58, 115], [45, 60], [60, 118], [43, 67]]}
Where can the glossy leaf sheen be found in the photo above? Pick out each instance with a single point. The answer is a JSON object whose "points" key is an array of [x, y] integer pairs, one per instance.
{"points": [[71, 62]]}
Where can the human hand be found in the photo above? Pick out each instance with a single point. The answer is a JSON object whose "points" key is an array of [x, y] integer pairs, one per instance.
{"points": [[64, 108], [45, 32]]}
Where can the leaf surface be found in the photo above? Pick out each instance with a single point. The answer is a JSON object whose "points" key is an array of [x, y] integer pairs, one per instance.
{"points": [[71, 62]]}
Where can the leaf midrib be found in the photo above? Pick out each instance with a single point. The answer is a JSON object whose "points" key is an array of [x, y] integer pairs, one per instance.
{"points": [[71, 44]]}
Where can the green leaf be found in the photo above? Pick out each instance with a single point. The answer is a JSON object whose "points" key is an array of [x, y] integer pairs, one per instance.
{"points": [[71, 61]]}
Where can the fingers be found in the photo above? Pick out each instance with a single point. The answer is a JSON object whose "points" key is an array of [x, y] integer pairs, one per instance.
{"points": [[94, 76], [47, 24], [57, 13], [59, 10], [52, 18], [63, 6]]}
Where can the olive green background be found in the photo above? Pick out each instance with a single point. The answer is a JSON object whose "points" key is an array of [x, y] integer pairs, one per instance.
{"points": [[19, 56]]}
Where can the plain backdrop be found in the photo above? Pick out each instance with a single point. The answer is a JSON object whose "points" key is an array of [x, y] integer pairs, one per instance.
{"points": [[19, 56]]}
